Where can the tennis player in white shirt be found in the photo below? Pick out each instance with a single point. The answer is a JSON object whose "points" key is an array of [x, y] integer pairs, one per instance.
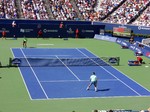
{"points": [[93, 81]]}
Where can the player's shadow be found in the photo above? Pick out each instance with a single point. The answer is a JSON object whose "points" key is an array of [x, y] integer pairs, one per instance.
{"points": [[103, 89]]}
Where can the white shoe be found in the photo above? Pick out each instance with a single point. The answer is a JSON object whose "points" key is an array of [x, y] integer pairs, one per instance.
{"points": [[95, 90]]}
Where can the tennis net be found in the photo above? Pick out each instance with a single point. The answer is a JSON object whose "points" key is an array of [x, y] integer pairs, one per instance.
{"points": [[50, 62]]}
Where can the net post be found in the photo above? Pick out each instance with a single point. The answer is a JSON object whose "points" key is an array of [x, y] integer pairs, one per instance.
{"points": [[10, 60], [0, 64], [118, 61]]}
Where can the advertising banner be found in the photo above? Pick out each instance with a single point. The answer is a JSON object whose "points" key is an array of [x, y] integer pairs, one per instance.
{"points": [[85, 31], [137, 47]]}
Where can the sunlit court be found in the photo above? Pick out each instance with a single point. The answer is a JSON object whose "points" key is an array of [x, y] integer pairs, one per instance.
{"points": [[63, 73], [74, 56]]}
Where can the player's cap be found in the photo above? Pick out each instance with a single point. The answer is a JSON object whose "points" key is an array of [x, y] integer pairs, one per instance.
{"points": [[93, 72]]}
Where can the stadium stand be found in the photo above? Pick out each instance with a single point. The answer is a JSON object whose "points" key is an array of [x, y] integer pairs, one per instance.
{"points": [[127, 11], [2, 15], [63, 10], [144, 19], [8, 9], [86, 8], [106, 7], [28, 9], [34, 9], [134, 12], [40, 9]]}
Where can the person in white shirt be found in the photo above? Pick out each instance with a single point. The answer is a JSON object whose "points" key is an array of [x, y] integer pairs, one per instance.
{"points": [[93, 81]]}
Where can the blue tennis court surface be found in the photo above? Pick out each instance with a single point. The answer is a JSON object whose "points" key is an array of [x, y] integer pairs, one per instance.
{"points": [[62, 82]]}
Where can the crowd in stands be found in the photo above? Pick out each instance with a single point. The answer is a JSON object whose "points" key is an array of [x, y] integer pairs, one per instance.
{"points": [[86, 8], [40, 9], [106, 6], [144, 19], [112, 11], [127, 11], [8, 9], [121, 110], [62, 10], [28, 9], [1, 10], [34, 9], [90, 13]]}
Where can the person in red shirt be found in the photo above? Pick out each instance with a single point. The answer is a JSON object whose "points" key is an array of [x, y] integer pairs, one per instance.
{"points": [[139, 59], [3, 34], [61, 25], [61, 30], [77, 33], [40, 33]]}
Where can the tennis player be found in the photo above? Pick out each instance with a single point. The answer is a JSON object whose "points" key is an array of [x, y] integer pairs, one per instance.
{"points": [[24, 42], [93, 81]]}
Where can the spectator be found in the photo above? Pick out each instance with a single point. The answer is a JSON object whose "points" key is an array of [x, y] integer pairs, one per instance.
{"points": [[77, 33], [131, 40], [40, 9], [144, 19], [62, 10], [61, 25], [10, 10], [86, 8], [126, 12], [40, 33], [95, 110], [3, 34], [2, 15], [28, 9], [148, 109], [61, 30], [140, 59]]}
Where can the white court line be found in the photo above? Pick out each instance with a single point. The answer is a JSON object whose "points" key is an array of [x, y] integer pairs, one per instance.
{"points": [[78, 81], [22, 78], [70, 70], [34, 74], [144, 96], [44, 44], [45, 55], [112, 75], [127, 76]]}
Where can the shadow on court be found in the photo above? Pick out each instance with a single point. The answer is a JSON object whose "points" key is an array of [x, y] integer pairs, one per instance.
{"points": [[99, 90], [103, 89]]}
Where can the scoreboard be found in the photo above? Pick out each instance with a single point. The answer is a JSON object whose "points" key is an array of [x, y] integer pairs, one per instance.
{"points": [[121, 32]]}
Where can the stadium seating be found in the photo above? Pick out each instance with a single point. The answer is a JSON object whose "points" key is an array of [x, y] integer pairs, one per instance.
{"points": [[8, 9], [127, 11], [144, 19], [62, 10], [134, 12]]}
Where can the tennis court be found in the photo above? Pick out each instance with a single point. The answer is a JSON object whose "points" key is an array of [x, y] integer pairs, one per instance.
{"points": [[67, 82]]}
